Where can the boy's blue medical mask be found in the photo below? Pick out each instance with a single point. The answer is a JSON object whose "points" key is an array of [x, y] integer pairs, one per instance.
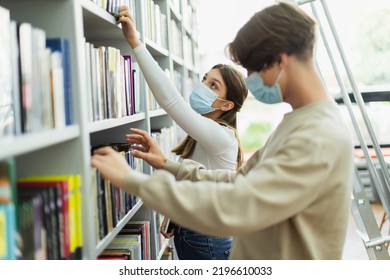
{"points": [[201, 99], [263, 93]]}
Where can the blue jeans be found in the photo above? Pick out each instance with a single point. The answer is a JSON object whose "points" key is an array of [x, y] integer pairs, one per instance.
{"points": [[191, 245]]}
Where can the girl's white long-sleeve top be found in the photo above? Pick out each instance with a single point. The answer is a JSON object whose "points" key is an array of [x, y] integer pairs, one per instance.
{"points": [[217, 145]]}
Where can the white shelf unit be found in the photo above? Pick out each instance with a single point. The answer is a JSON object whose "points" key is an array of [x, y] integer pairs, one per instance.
{"points": [[67, 150]]}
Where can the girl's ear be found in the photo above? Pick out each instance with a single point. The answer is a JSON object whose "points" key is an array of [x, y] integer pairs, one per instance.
{"points": [[227, 105]]}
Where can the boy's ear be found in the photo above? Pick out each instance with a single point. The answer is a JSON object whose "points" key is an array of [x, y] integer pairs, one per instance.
{"points": [[283, 60]]}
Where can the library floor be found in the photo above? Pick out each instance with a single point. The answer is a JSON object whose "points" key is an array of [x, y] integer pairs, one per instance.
{"points": [[354, 248]]}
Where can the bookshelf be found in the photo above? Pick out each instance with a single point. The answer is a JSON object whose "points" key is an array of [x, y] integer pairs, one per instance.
{"points": [[66, 149]]}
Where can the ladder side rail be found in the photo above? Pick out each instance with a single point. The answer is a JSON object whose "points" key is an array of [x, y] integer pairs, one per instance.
{"points": [[367, 227], [370, 166], [359, 99]]}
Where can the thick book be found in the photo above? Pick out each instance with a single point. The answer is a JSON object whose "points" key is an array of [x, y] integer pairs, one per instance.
{"points": [[62, 45]]}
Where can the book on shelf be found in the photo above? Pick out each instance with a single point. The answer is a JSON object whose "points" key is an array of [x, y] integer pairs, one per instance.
{"points": [[103, 79], [26, 69], [74, 221], [141, 228], [110, 83], [15, 56], [36, 79], [131, 242], [111, 204], [30, 104], [8, 203], [137, 80], [129, 82], [7, 113], [89, 78], [61, 45], [41, 88]]}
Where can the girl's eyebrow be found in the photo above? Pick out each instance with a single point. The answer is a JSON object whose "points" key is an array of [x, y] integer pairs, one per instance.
{"points": [[214, 79]]}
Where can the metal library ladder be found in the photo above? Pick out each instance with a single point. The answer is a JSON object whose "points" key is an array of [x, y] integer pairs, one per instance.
{"points": [[367, 226]]}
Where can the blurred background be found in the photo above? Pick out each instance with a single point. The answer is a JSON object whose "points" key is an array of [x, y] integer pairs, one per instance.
{"points": [[363, 29]]}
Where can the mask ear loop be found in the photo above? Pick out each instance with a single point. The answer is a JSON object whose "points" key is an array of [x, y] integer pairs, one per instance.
{"points": [[279, 76]]}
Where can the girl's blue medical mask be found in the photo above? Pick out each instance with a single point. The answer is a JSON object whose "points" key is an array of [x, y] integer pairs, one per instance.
{"points": [[201, 99], [263, 93]]}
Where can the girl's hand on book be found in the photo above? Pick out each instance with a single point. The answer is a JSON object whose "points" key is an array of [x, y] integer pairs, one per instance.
{"points": [[147, 148], [111, 165], [125, 18]]}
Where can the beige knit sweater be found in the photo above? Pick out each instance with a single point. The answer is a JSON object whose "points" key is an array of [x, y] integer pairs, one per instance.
{"points": [[289, 201]]}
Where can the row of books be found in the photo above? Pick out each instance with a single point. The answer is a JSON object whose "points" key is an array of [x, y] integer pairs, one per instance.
{"points": [[166, 139], [35, 79], [113, 82], [132, 243], [112, 6], [110, 203], [49, 217], [40, 216], [156, 28]]}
